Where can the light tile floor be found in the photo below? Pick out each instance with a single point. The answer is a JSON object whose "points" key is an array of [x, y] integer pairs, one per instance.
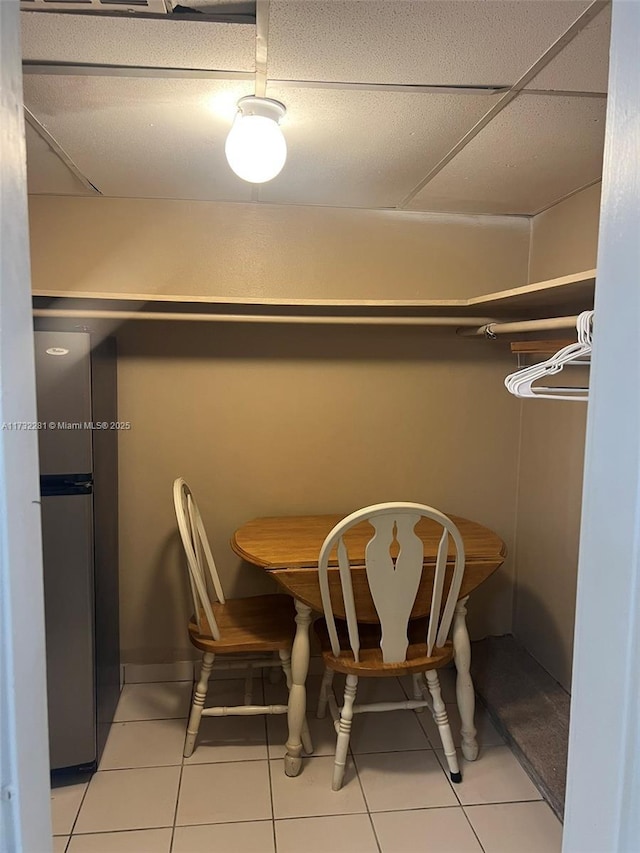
{"points": [[232, 795]]}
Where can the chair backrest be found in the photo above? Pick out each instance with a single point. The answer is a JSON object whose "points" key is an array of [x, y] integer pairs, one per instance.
{"points": [[393, 583], [203, 575]]}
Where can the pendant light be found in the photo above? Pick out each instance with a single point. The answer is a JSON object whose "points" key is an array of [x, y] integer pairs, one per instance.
{"points": [[256, 148]]}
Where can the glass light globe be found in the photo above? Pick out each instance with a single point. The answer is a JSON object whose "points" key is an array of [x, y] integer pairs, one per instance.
{"points": [[256, 148]]}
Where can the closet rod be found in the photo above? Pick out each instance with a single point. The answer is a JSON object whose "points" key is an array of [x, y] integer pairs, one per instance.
{"points": [[255, 318], [489, 330]]}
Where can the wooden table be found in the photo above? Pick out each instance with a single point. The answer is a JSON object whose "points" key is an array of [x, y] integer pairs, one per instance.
{"points": [[288, 548]]}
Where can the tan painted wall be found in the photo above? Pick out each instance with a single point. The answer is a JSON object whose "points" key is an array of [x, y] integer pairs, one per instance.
{"points": [[270, 251], [547, 538], [269, 419], [564, 240]]}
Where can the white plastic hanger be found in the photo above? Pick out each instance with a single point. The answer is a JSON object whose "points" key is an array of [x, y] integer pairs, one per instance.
{"points": [[521, 382]]}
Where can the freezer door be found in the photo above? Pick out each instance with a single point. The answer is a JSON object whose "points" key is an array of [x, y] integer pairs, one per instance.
{"points": [[67, 542], [63, 384]]}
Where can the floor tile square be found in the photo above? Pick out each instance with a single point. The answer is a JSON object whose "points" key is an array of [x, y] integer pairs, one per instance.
{"points": [[403, 780], [230, 739], [371, 690], [447, 831], [447, 677], [387, 731], [66, 796], [495, 777], [220, 793], [230, 691], [310, 794], [525, 827], [146, 743], [323, 734], [60, 843], [340, 833], [487, 734], [138, 841], [129, 799], [156, 701], [254, 837]]}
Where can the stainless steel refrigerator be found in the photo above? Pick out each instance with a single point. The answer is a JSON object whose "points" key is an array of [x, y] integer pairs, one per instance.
{"points": [[77, 397]]}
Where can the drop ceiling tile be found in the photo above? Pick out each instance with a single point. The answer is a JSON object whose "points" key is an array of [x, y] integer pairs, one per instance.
{"points": [[143, 138], [534, 152], [443, 42], [163, 42], [46, 172], [583, 65], [362, 148]]}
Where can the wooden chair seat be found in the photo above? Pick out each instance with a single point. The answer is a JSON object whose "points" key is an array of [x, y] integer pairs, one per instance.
{"points": [[371, 663], [262, 623]]}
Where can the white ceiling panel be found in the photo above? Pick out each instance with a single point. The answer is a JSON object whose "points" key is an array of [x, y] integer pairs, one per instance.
{"points": [[536, 151], [583, 65], [444, 42], [162, 43], [145, 138], [362, 148], [46, 173]]}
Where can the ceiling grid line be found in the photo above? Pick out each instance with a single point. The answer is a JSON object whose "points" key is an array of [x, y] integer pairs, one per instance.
{"points": [[262, 46], [90, 69], [262, 50], [59, 151], [567, 196], [578, 25]]}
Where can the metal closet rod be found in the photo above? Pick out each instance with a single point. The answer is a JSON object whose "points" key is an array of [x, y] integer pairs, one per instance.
{"points": [[490, 330], [106, 314]]}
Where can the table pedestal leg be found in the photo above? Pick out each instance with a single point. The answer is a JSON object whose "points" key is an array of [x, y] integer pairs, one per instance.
{"points": [[298, 695], [464, 685]]}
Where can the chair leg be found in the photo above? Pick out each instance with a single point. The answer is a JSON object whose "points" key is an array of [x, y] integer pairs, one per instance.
{"points": [[417, 690], [325, 687], [442, 721], [344, 732], [305, 735], [198, 704]]}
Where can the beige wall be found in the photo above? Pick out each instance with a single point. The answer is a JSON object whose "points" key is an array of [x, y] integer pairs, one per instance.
{"points": [[269, 419], [293, 420], [547, 538], [270, 251], [564, 240]]}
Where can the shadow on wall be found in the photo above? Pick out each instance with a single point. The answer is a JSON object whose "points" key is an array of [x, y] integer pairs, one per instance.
{"points": [[299, 342], [166, 600], [542, 637]]}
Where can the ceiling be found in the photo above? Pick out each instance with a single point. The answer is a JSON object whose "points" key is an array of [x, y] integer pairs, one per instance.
{"points": [[464, 106]]}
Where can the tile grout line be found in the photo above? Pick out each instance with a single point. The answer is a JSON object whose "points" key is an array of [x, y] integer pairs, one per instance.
{"points": [[468, 819], [267, 742], [175, 811], [75, 820]]}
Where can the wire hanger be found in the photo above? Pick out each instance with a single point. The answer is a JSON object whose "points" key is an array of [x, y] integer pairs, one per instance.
{"points": [[521, 382]]}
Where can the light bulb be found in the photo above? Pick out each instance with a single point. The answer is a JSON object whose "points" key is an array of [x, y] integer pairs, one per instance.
{"points": [[256, 148]]}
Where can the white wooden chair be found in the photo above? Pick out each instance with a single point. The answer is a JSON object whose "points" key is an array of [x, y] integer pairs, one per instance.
{"points": [[403, 625], [245, 626]]}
